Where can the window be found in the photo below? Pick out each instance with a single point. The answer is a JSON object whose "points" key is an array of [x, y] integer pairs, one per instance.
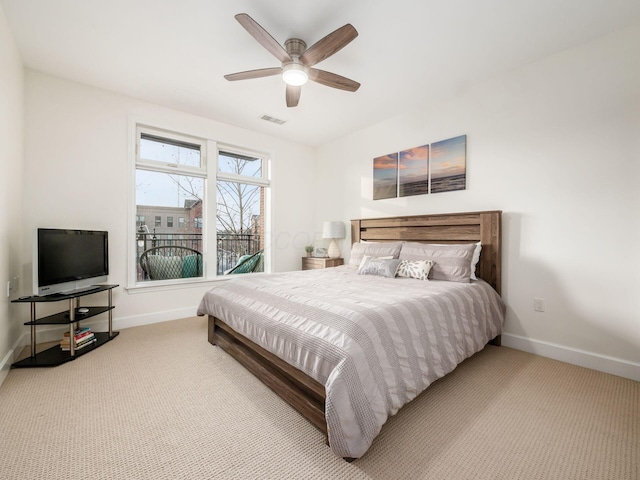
{"points": [[170, 178], [173, 173], [240, 213]]}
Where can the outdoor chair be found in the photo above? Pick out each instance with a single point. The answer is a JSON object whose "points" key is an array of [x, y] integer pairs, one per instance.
{"points": [[171, 261], [248, 264]]}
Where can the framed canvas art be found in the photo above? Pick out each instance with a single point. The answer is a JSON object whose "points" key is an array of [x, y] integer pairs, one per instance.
{"points": [[448, 168], [413, 171], [385, 176]]}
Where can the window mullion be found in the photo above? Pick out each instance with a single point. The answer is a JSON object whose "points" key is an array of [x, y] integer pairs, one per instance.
{"points": [[170, 168], [232, 177]]}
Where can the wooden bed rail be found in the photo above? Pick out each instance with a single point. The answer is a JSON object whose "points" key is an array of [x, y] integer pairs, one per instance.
{"points": [[298, 389]]}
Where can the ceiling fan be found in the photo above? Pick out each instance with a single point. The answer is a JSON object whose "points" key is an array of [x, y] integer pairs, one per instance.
{"points": [[298, 60]]}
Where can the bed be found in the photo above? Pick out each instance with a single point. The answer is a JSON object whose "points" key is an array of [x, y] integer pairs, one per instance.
{"points": [[348, 350]]}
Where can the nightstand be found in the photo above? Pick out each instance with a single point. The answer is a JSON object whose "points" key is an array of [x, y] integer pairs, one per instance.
{"points": [[309, 263]]}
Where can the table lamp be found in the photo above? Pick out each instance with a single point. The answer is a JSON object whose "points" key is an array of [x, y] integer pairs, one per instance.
{"points": [[333, 230]]}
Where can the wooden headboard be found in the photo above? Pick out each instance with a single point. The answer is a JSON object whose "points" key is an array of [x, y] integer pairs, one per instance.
{"points": [[470, 227]]}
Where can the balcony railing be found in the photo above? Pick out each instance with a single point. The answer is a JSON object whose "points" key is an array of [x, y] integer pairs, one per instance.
{"points": [[230, 246], [149, 240]]}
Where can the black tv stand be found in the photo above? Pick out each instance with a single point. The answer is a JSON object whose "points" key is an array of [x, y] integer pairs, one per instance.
{"points": [[55, 355]]}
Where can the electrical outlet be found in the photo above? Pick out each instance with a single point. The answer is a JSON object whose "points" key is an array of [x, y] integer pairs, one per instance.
{"points": [[538, 304], [12, 286]]}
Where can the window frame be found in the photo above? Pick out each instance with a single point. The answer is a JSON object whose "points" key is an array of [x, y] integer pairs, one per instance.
{"points": [[206, 146], [263, 181], [208, 171]]}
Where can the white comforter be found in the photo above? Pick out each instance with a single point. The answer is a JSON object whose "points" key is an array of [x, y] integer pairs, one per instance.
{"points": [[375, 343]]}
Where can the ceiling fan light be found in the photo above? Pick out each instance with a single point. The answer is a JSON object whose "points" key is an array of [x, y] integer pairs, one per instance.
{"points": [[294, 74]]}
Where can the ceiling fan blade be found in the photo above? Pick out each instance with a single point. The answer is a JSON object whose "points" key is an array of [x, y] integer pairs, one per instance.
{"points": [[249, 74], [328, 45], [293, 95], [333, 80], [263, 37]]}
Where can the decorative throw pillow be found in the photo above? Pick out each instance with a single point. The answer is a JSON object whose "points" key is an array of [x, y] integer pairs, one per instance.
{"points": [[365, 257], [450, 262], [373, 249], [378, 266], [414, 269]]}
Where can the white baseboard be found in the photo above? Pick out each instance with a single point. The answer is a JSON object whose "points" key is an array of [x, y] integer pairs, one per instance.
{"points": [[594, 361], [50, 333], [155, 317], [10, 357]]}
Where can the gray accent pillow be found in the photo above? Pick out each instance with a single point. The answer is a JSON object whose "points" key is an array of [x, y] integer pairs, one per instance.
{"points": [[373, 249], [418, 269], [364, 258], [450, 262], [378, 266]]}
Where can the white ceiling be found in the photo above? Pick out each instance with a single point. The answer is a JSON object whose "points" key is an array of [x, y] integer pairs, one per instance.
{"points": [[408, 54]]}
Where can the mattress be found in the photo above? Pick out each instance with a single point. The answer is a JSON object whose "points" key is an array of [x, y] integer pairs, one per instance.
{"points": [[375, 343]]}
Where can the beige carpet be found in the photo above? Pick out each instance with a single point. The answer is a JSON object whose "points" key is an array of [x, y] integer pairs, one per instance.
{"points": [[159, 402]]}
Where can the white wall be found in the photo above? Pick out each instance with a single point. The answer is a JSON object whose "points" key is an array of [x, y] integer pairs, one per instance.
{"points": [[556, 146], [76, 176], [11, 160], [11, 157]]}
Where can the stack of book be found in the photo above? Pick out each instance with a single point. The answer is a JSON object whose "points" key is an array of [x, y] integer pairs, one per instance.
{"points": [[83, 337]]}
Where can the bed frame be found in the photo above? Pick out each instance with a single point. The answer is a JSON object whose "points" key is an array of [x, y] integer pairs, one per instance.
{"points": [[303, 392]]}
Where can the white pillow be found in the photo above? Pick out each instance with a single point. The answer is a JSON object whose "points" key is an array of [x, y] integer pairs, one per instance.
{"points": [[475, 259], [373, 249]]}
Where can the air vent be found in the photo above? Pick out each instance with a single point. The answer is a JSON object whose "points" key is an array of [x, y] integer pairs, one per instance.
{"points": [[271, 119]]}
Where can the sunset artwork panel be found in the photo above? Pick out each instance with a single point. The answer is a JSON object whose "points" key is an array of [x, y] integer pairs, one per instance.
{"points": [[413, 171], [385, 176], [449, 165]]}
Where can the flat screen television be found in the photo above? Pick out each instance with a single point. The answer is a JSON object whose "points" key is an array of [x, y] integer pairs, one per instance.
{"points": [[69, 260]]}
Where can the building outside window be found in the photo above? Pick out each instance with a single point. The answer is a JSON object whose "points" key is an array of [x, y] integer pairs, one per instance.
{"points": [[169, 222]]}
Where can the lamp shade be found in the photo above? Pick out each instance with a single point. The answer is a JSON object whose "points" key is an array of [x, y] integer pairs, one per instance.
{"points": [[333, 230]]}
